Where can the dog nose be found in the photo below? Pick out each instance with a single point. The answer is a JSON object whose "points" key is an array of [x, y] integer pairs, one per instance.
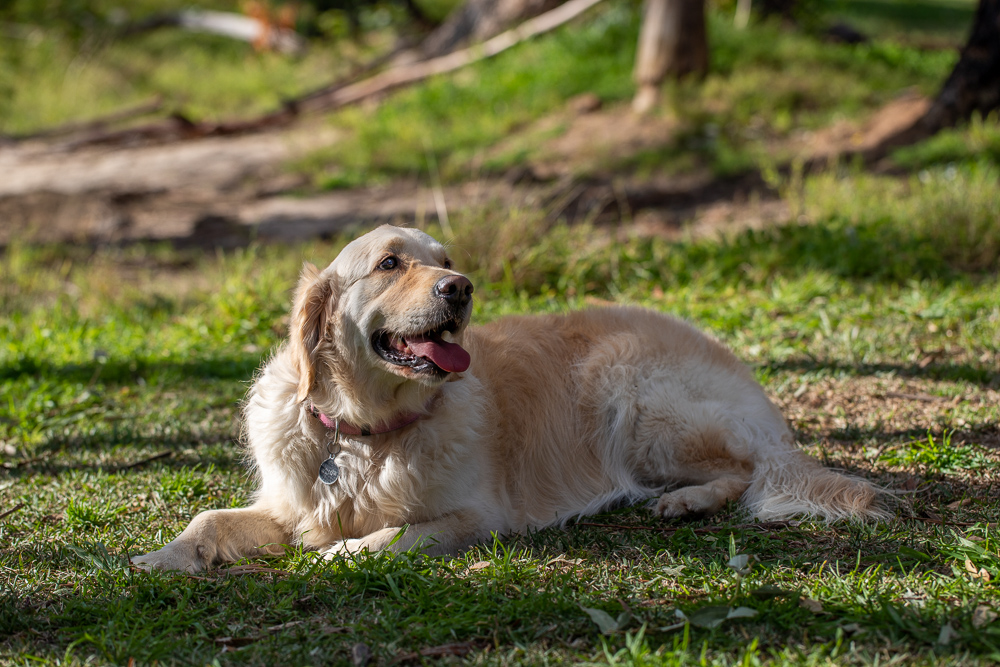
{"points": [[456, 290]]}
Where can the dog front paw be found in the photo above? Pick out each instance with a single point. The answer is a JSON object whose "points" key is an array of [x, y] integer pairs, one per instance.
{"points": [[173, 556]]}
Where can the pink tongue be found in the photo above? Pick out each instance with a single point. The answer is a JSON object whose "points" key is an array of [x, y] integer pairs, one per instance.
{"points": [[448, 356]]}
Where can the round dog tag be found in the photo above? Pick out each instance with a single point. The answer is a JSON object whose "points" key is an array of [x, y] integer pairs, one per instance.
{"points": [[329, 471]]}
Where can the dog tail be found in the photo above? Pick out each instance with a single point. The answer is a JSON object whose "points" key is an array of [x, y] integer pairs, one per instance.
{"points": [[797, 485]]}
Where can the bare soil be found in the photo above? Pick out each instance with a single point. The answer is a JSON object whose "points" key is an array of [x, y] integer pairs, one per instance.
{"points": [[225, 191]]}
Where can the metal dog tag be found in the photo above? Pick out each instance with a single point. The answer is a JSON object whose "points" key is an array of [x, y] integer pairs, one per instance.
{"points": [[329, 471]]}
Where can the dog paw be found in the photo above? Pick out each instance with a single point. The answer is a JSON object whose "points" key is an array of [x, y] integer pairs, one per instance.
{"points": [[170, 557], [685, 502], [346, 548]]}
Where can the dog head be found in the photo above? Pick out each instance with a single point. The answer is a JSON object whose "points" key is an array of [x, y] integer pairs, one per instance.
{"points": [[383, 323]]}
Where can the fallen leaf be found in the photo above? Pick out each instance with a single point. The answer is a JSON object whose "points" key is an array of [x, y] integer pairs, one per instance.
{"points": [[946, 635], [284, 626], [983, 615], [565, 561], [739, 564], [605, 622], [480, 565], [715, 615], [742, 612], [977, 573], [361, 655], [815, 606], [708, 617], [960, 503]]}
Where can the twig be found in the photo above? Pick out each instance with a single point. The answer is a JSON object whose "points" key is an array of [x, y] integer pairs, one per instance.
{"points": [[27, 462], [99, 123], [154, 457], [11, 510], [944, 522]]}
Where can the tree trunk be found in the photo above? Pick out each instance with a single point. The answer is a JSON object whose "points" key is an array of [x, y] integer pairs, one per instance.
{"points": [[673, 42], [973, 86], [478, 20]]}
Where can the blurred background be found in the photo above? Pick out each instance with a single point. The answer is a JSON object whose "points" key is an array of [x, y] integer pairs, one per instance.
{"points": [[229, 122]]}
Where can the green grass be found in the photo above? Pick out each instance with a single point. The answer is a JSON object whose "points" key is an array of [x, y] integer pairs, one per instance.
{"points": [[106, 365], [872, 319], [764, 83], [64, 61], [942, 23]]}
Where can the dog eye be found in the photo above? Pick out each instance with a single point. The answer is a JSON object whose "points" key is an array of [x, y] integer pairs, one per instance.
{"points": [[389, 263], [447, 264]]}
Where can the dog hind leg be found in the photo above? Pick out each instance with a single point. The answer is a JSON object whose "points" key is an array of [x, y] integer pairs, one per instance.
{"points": [[703, 500]]}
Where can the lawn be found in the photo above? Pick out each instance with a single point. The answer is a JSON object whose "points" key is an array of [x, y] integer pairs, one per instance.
{"points": [[123, 369], [871, 317]]}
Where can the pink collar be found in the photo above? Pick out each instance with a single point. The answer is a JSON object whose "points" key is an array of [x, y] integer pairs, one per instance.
{"points": [[351, 429]]}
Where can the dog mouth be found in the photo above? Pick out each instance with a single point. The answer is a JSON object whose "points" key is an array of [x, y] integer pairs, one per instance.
{"points": [[426, 352]]}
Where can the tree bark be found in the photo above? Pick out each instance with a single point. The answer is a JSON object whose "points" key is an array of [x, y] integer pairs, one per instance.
{"points": [[478, 20], [673, 42], [974, 84], [972, 87]]}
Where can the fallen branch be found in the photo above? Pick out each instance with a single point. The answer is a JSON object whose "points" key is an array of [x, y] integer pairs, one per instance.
{"points": [[339, 96], [409, 74], [97, 124], [154, 457]]}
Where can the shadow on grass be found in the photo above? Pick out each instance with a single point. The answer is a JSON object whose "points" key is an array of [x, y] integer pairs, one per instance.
{"points": [[236, 367], [977, 374], [912, 15], [165, 453], [527, 597]]}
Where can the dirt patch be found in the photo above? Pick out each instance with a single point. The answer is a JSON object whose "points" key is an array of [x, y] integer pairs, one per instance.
{"points": [[852, 137], [227, 191], [889, 408], [598, 139]]}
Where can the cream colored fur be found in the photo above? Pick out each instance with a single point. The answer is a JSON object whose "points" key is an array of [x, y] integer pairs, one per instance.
{"points": [[558, 416]]}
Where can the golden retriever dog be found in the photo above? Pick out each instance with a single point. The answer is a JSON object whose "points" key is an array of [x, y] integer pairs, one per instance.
{"points": [[386, 422]]}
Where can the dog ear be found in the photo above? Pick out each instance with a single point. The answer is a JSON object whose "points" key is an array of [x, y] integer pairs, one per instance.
{"points": [[313, 305]]}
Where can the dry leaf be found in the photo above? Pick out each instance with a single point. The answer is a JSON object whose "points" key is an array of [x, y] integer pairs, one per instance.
{"points": [[815, 606], [565, 561], [480, 565], [960, 503], [977, 572], [983, 615], [361, 655]]}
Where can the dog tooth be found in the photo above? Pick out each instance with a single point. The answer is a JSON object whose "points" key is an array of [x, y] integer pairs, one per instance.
{"points": [[447, 337]]}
